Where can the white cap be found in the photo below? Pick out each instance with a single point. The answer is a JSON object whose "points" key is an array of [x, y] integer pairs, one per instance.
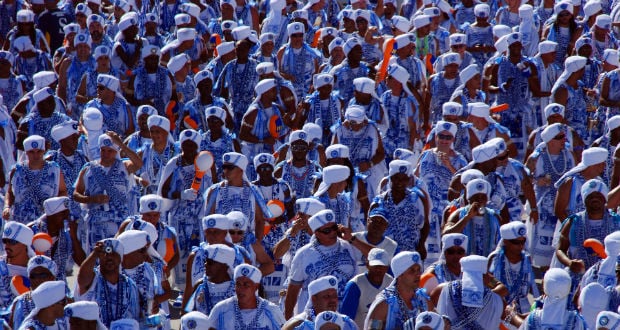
{"points": [[337, 151], [178, 62], [321, 219], [249, 271], [295, 27], [191, 135], [264, 86], [85, 310], [55, 205], [365, 85], [48, 293], [512, 230], [217, 221], [150, 50], [421, 21], [547, 46], [151, 203], [611, 57], [399, 166], [194, 320], [225, 47], [202, 75], [321, 284], [309, 206], [44, 78], [478, 186], [378, 257], [34, 142], [237, 159], [64, 130], [594, 186], [133, 240], [332, 174], [403, 260]]}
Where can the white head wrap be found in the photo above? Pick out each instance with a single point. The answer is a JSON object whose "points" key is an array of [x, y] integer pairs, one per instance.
{"points": [[85, 310], [603, 21], [321, 219], [591, 7], [501, 30], [554, 108], [265, 68], [263, 86], [337, 151], [458, 39], [513, 38], [133, 240], [105, 141], [178, 62], [402, 41], [128, 21], [150, 50], [328, 317], [194, 320], [607, 319], [34, 142], [481, 110], [336, 43], [401, 75], [42, 94], [478, 186], [110, 82], [451, 109], [47, 294], [101, 51], [400, 166], [592, 186], [309, 206], [122, 324], [429, 319], [295, 27], [403, 261], [237, 159], [332, 174], [469, 175], [365, 85], [513, 230], [191, 135], [202, 75], [217, 221], [321, 284], [41, 261], [151, 203], [159, 121], [451, 240], [64, 130], [547, 46], [469, 72], [25, 16], [225, 47], [589, 157], [563, 6], [43, 79], [249, 271], [473, 267], [314, 131], [421, 21], [446, 126], [55, 205], [451, 58], [298, 135], [482, 153], [82, 38], [92, 119], [431, 11], [181, 19], [551, 131], [322, 79], [349, 44], [378, 257], [221, 253], [482, 10], [355, 113], [264, 158], [216, 112], [400, 23], [611, 56]]}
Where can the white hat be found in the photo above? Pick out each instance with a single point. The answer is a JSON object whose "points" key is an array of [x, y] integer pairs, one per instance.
{"points": [[127, 21], [547, 46], [454, 239], [332, 174], [469, 72], [19, 232], [551, 131], [403, 260], [225, 47], [178, 62], [34, 142], [473, 267], [295, 27], [611, 56], [102, 50], [82, 38], [150, 50], [202, 75], [122, 4], [309, 206], [512, 230], [266, 37], [244, 32], [48, 293], [191, 9], [110, 82], [85, 310], [249, 271], [398, 166], [362, 13], [181, 19], [229, 25], [328, 317], [194, 320], [297, 135], [446, 126], [431, 11], [133, 240], [25, 16], [355, 112], [314, 131], [469, 175], [264, 85], [402, 41], [400, 23], [55, 205], [593, 156], [350, 44], [603, 21], [22, 44], [554, 109], [421, 21], [92, 119], [592, 7], [71, 28], [264, 159], [328, 31], [613, 122], [499, 144], [186, 34], [482, 10], [458, 39], [608, 320], [563, 6], [513, 38], [501, 30], [94, 18], [44, 78], [451, 109], [378, 257], [64, 130], [191, 135], [451, 58], [594, 186], [337, 151], [321, 284], [237, 159], [480, 110], [151, 203], [215, 112], [217, 221], [430, 320], [583, 41], [265, 68], [43, 94], [401, 75], [478, 186], [221, 253], [122, 324], [366, 86], [158, 121], [152, 18], [41, 261], [322, 79], [83, 9], [321, 219], [115, 246], [105, 141]]}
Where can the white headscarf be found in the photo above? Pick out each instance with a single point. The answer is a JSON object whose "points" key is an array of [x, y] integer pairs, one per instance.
{"points": [[557, 284]]}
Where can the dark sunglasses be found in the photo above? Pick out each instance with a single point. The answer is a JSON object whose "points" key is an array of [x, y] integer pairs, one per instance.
{"points": [[328, 230], [559, 137], [299, 148], [502, 157], [516, 241], [236, 232], [452, 251], [446, 137], [228, 167], [7, 241]]}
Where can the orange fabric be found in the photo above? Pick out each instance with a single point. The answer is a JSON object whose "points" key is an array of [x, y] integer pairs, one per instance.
{"points": [[20, 284], [389, 46], [169, 249], [425, 277], [429, 64], [190, 122], [500, 108], [315, 40]]}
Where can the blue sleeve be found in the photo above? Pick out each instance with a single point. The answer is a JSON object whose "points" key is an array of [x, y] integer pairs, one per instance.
{"points": [[351, 300]]}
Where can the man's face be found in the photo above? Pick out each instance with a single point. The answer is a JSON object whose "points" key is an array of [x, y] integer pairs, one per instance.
{"points": [[158, 135], [96, 31], [14, 248], [70, 142], [189, 148], [109, 262], [454, 254], [355, 54], [326, 300], [108, 154], [411, 277], [377, 224], [78, 323], [245, 288], [595, 202], [231, 172], [38, 276], [215, 236], [328, 234], [399, 181], [213, 268], [135, 258]]}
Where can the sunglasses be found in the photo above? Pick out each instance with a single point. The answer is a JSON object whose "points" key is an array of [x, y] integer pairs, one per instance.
{"points": [[516, 241], [236, 232], [7, 241], [328, 230], [453, 251], [228, 167], [299, 148], [297, 35], [560, 137], [446, 137], [502, 157]]}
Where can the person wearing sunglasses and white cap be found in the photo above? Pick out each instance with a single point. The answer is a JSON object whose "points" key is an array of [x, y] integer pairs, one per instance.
{"points": [[472, 302], [118, 114], [300, 74], [402, 299], [447, 268], [302, 185], [407, 210], [366, 146], [350, 68], [569, 201], [238, 85], [470, 89], [104, 186], [554, 113], [547, 164], [41, 269], [441, 85], [332, 251], [87, 89], [581, 225], [94, 282], [246, 310], [31, 182], [362, 289]]}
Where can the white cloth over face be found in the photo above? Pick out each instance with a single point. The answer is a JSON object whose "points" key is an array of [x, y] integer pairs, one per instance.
{"points": [[592, 300], [473, 267], [557, 284]]}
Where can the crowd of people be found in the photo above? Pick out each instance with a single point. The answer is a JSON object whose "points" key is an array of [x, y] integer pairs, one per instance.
{"points": [[361, 164]]}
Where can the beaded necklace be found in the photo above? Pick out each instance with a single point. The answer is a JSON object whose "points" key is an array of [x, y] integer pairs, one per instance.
{"points": [[105, 299], [33, 185], [505, 275], [299, 183], [227, 204], [404, 312], [333, 261], [261, 304], [142, 282]]}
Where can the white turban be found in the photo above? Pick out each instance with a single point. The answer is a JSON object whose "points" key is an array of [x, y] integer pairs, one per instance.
{"points": [[378, 257], [71, 28], [336, 43], [451, 58], [458, 39], [41, 261], [178, 62], [592, 300], [557, 285], [328, 317], [591, 8], [478, 186], [603, 21], [401, 75], [609, 320], [298, 135], [194, 320], [216, 112], [265, 68], [513, 37], [42, 94], [44, 78], [337, 151], [402, 41], [133, 240], [473, 267], [355, 113], [314, 131], [263, 86], [366, 86], [547, 46], [159, 121], [400, 23], [105, 141], [150, 50], [350, 44], [563, 6], [481, 110], [592, 186], [249, 271], [483, 152], [82, 38], [469, 175], [202, 75], [446, 126], [55, 205], [589, 157], [85, 310], [225, 48], [611, 56], [321, 284], [429, 319], [264, 158], [266, 37], [482, 10], [237, 159], [421, 21], [244, 32], [122, 324], [551, 131], [553, 109], [127, 21], [221, 253], [34, 142], [295, 27], [309, 206], [321, 219], [181, 19], [64, 130], [92, 119], [452, 109], [191, 135], [332, 174], [400, 166], [101, 51], [469, 72], [512, 230], [403, 261], [151, 203], [110, 82], [431, 11], [573, 64], [217, 221], [455, 239], [48, 293]]}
